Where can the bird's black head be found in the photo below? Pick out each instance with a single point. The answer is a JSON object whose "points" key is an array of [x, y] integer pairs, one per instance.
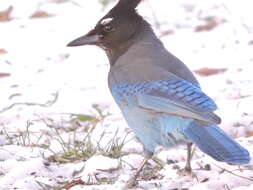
{"points": [[117, 27]]}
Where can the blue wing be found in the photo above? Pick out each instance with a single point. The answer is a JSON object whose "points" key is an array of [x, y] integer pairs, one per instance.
{"points": [[172, 96]]}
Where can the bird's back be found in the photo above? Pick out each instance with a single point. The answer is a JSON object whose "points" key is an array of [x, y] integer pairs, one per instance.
{"points": [[147, 60]]}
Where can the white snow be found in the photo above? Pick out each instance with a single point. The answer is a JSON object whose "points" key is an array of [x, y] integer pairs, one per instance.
{"points": [[32, 138]]}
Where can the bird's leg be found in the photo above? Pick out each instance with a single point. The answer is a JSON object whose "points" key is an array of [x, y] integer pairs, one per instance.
{"points": [[143, 163], [188, 168], [132, 180]]}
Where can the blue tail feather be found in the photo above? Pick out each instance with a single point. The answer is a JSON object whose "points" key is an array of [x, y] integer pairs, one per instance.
{"points": [[217, 144]]}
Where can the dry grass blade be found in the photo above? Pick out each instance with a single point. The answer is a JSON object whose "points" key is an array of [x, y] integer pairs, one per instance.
{"points": [[223, 169], [46, 104]]}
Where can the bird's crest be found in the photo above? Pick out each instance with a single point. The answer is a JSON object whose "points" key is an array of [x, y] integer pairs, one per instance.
{"points": [[125, 5]]}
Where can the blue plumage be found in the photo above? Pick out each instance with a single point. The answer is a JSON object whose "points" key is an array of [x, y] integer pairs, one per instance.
{"points": [[174, 111], [180, 90], [217, 144]]}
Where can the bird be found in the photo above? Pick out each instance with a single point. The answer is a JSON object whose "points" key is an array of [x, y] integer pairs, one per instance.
{"points": [[159, 97]]}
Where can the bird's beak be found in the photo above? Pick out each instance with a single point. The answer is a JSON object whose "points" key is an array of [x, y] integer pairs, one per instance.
{"points": [[89, 39]]}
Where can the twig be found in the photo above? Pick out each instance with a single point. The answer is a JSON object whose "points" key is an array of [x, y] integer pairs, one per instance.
{"points": [[76, 4], [47, 104], [248, 178]]}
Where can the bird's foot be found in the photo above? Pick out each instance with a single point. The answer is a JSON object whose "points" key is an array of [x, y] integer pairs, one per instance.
{"points": [[132, 181], [186, 171]]}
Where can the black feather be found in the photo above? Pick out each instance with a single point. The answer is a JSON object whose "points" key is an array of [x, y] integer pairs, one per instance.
{"points": [[125, 6]]}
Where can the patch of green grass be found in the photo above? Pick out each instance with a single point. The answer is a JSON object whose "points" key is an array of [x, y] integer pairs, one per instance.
{"points": [[74, 135], [113, 149]]}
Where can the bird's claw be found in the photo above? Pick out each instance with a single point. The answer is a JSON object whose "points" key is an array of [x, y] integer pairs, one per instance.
{"points": [[186, 171]]}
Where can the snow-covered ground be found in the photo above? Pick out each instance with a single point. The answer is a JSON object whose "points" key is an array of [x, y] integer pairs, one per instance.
{"points": [[59, 126]]}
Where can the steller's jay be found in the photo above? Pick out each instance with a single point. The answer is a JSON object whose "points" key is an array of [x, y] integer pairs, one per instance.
{"points": [[159, 97]]}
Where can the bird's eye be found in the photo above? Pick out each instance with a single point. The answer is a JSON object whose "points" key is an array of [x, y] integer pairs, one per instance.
{"points": [[108, 28]]}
